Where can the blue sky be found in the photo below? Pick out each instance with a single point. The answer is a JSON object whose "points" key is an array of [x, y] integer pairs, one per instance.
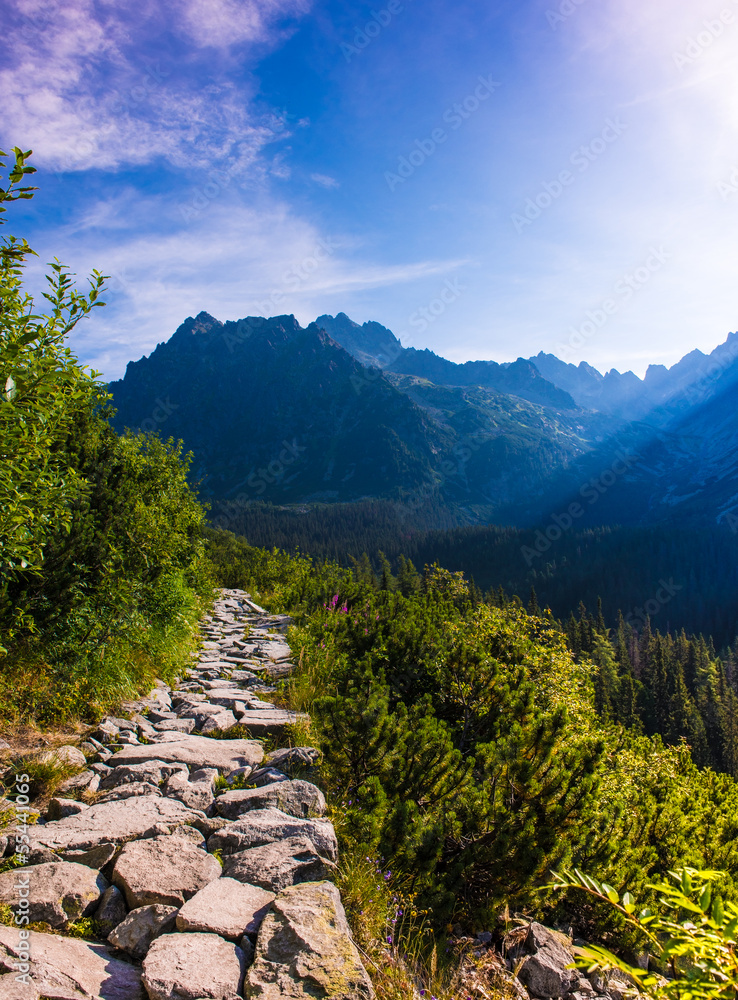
{"points": [[566, 171]]}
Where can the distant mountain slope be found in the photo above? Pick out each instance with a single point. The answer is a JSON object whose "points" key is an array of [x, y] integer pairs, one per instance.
{"points": [[278, 411], [689, 381], [374, 344], [275, 412]]}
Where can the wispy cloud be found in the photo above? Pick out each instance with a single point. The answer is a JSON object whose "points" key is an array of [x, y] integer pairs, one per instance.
{"points": [[80, 85], [232, 261], [325, 181]]}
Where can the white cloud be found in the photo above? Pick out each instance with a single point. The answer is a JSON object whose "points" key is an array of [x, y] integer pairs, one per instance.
{"points": [[232, 261], [221, 23], [325, 181], [78, 89]]}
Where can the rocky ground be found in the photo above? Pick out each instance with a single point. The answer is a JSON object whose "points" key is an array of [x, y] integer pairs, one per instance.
{"points": [[195, 895]]}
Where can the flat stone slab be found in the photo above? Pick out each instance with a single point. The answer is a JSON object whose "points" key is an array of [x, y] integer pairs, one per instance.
{"points": [[165, 870], [193, 967], [278, 865], [305, 949], [296, 798], [196, 790], [143, 925], [225, 907], [265, 826], [269, 723], [112, 823], [58, 892], [59, 963], [197, 752], [151, 771]]}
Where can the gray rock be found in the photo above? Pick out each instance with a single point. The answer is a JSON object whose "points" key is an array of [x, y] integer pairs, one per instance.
{"points": [[58, 892], [196, 790], [261, 724], [161, 715], [166, 870], [191, 834], [544, 971], [305, 949], [264, 826], [112, 823], [193, 967], [222, 722], [142, 925], [154, 772], [185, 726], [101, 768], [135, 788], [83, 969], [68, 755], [125, 725], [96, 857], [296, 798], [278, 865], [59, 808], [111, 909], [293, 760], [106, 732], [79, 782], [225, 907], [197, 752], [267, 776]]}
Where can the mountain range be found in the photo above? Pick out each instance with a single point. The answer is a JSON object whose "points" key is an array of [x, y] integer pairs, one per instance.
{"points": [[341, 412]]}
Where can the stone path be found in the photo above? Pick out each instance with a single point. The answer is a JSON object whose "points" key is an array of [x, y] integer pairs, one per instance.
{"points": [[202, 893]]}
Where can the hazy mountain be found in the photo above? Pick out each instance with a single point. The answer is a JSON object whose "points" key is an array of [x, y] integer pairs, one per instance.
{"points": [[373, 344], [689, 381], [276, 412], [273, 411]]}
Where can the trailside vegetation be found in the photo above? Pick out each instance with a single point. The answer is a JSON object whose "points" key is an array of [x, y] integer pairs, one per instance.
{"points": [[463, 745], [102, 569]]}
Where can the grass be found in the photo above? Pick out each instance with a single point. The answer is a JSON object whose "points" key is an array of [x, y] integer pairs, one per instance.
{"points": [[45, 777], [395, 939]]}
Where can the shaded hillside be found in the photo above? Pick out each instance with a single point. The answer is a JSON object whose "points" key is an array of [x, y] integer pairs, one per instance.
{"points": [[278, 411]]}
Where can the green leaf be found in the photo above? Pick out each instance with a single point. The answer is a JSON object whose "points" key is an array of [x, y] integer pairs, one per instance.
{"points": [[718, 911], [629, 903], [706, 898], [610, 893], [686, 882]]}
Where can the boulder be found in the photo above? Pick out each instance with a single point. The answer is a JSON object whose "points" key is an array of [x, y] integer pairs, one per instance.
{"points": [[305, 949], [129, 791], [59, 808], [296, 798], [278, 865], [293, 760], [142, 925], [96, 857], [196, 752], [196, 790], [261, 723], [225, 907], [112, 823], [111, 909], [165, 870], [58, 892], [266, 776], [543, 970], [265, 826], [193, 967], [63, 756], [223, 721], [86, 780], [84, 969], [154, 772], [175, 726]]}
